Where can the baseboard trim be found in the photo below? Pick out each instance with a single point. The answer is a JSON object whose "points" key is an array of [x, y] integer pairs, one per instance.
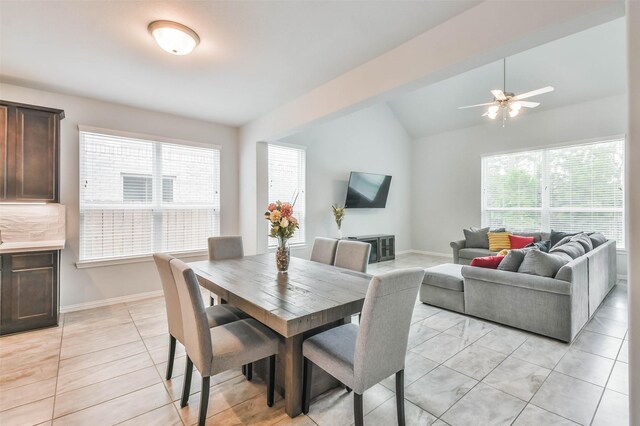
{"points": [[622, 277], [431, 253], [111, 301]]}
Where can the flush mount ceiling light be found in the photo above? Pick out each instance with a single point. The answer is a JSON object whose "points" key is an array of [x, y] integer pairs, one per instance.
{"points": [[508, 103], [173, 37]]}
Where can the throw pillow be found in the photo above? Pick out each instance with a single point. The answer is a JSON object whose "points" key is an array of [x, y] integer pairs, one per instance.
{"points": [[499, 241], [520, 241], [597, 239], [557, 236], [542, 245], [512, 260], [564, 240], [543, 264], [490, 262], [573, 248], [584, 240], [476, 237]]}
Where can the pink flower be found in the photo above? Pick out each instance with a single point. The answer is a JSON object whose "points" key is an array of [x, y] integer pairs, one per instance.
{"points": [[286, 210], [271, 207]]}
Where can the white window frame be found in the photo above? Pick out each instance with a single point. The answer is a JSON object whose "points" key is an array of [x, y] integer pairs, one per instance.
{"points": [[84, 264], [546, 208], [272, 243]]}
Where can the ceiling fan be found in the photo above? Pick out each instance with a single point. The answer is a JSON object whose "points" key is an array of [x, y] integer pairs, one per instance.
{"points": [[508, 102]]}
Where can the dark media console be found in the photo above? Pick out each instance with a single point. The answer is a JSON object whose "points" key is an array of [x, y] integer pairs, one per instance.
{"points": [[383, 246]]}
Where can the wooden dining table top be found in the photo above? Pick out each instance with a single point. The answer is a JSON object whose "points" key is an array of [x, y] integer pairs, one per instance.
{"points": [[310, 295]]}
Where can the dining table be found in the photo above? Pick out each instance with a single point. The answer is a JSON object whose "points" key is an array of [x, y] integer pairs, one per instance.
{"points": [[309, 298]]}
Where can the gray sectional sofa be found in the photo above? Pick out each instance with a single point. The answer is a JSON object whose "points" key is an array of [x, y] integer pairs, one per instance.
{"points": [[557, 306]]}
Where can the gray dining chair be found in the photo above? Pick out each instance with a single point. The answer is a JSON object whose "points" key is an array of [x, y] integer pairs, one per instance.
{"points": [[224, 247], [324, 250], [361, 356], [216, 315], [352, 255], [222, 348]]}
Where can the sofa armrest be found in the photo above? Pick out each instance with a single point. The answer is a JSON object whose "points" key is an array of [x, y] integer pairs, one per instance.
{"points": [[517, 279], [456, 246]]}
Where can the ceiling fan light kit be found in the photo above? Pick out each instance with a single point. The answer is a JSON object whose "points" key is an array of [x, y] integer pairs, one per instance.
{"points": [[508, 102]]}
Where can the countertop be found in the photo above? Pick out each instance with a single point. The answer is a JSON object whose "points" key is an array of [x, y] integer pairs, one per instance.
{"points": [[27, 246]]}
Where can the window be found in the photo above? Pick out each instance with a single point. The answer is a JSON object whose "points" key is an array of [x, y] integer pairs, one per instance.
{"points": [[140, 196], [287, 183], [573, 188]]}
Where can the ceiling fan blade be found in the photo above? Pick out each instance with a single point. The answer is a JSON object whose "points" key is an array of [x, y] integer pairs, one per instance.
{"points": [[499, 95], [476, 105], [534, 93], [528, 104]]}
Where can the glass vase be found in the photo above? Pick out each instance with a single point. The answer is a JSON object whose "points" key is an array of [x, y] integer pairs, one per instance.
{"points": [[283, 256]]}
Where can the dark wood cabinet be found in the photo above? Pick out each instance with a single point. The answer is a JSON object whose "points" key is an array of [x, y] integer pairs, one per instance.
{"points": [[29, 152], [29, 291], [383, 246]]}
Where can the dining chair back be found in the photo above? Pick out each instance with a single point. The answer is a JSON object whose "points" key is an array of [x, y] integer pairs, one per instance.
{"points": [[352, 255], [324, 250], [172, 303], [225, 247]]}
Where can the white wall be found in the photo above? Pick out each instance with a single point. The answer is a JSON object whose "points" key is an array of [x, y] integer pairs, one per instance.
{"points": [[80, 286], [371, 140], [446, 169]]}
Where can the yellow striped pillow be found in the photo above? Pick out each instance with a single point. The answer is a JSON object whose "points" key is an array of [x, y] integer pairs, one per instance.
{"points": [[499, 241]]}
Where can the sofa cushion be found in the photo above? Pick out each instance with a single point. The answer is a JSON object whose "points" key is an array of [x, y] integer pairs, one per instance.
{"points": [[520, 241], [573, 248], [597, 239], [490, 262], [512, 260], [584, 240], [499, 241], [476, 237], [536, 262], [471, 253], [556, 236], [447, 276]]}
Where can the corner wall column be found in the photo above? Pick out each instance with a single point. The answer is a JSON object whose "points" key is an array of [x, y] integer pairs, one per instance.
{"points": [[633, 206]]}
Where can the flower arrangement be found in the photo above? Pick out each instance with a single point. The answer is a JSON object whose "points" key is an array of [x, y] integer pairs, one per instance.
{"points": [[338, 213], [283, 223]]}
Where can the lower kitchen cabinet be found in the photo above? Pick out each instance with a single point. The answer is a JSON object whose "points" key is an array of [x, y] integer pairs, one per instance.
{"points": [[29, 291]]}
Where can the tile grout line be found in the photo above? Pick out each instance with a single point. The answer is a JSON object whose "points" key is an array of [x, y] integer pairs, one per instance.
{"points": [[55, 389], [604, 388]]}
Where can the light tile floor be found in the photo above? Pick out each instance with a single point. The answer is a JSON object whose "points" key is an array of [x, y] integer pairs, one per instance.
{"points": [[106, 366]]}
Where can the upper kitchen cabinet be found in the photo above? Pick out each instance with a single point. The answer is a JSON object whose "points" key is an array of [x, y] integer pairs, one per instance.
{"points": [[29, 151]]}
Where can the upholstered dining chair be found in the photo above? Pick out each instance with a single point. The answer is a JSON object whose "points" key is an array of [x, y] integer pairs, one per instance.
{"points": [[216, 315], [361, 356], [352, 255], [224, 247], [217, 349], [324, 250]]}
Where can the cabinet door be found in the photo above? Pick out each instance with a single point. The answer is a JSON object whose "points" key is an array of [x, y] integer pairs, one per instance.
{"points": [[36, 155], [4, 150], [29, 291]]}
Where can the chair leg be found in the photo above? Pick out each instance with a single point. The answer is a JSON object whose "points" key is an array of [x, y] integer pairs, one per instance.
{"points": [[347, 388], [204, 401], [358, 413], [172, 355], [249, 371], [400, 396], [272, 380], [186, 386], [306, 385]]}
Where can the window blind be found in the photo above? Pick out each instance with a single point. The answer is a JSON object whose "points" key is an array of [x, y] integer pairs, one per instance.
{"points": [[140, 196], [574, 188], [286, 170]]}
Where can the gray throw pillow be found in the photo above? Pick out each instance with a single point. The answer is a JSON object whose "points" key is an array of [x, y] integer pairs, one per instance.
{"points": [[584, 240], [543, 264], [562, 241], [476, 237], [542, 245], [573, 248], [597, 239], [556, 236], [512, 260]]}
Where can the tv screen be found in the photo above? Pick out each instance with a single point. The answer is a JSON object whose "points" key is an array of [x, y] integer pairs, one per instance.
{"points": [[367, 190]]}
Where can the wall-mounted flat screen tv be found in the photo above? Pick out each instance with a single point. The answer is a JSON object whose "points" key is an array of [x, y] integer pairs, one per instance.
{"points": [[367, 190]]}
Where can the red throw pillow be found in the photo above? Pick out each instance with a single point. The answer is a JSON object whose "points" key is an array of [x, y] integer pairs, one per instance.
{"points": [[519, 241], [490, 262]]}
